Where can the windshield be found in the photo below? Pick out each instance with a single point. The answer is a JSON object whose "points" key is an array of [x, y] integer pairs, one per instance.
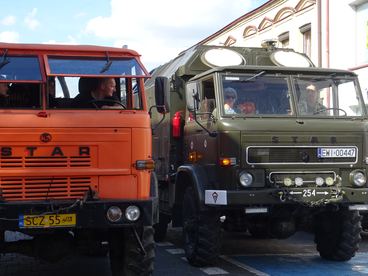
{"points": [[107, 66], [256, 94], [265, 94], [328, 97], [20, 69]]}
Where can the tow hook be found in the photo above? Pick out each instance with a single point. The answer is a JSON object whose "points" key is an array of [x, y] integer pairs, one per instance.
{"points": [[282, 195], [138, 240]]}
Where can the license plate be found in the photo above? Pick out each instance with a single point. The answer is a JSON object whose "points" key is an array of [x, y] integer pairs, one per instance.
{"points": [[336, 152], [45, 221]]}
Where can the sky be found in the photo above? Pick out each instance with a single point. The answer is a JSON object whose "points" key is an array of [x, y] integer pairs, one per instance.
{"points": [[157, 29]]}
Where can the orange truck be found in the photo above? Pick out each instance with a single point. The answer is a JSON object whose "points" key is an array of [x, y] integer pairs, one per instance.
{"points": [[76, 178]]}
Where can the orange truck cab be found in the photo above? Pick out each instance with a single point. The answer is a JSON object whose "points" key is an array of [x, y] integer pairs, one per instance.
{"points": [[75, 154]]}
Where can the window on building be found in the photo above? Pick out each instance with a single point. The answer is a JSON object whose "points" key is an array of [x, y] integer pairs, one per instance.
{"points": [[284, 39], [307, 39]]}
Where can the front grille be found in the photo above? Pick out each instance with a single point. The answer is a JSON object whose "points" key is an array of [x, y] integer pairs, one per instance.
{"points": [[45, 162], [42, 188], [291, 155]]}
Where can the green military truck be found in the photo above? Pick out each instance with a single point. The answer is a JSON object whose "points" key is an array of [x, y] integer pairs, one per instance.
{"points": [[258, 140]]}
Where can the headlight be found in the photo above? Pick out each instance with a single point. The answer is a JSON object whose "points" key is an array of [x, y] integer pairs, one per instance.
{"points": [[288, 182], [299, 181], [329, 181], [132, 213], [319, 181], [358, 178], [245, 179]]}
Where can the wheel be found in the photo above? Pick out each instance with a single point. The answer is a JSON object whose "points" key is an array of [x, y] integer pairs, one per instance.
{"points": [[125, 254], [201, 232], [337, 234], [161, 227]]}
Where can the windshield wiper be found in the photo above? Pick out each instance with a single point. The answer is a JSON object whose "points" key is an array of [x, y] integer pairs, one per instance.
{"points": [[107, 65], [5, 59], [254, 76]]}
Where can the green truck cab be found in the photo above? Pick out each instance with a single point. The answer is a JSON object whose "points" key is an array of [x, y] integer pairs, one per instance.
{"points": [[258, 140]]}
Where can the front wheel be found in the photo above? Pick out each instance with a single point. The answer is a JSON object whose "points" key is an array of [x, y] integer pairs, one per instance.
{"points": [[337, 234], [126, 257], [161, 227], [201, 232]]}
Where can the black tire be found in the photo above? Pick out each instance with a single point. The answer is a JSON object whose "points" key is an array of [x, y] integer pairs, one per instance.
{"points": [[161, 227], [337, 234], [201, 232], [126, 257]]}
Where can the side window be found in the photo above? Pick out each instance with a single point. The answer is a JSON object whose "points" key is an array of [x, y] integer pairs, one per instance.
{"points": [[207, 103], [20, 95], [137, 99], [61, 91]]}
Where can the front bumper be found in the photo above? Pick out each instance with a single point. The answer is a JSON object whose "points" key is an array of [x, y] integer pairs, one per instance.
{"points": [[89, 214], [306, 196]]}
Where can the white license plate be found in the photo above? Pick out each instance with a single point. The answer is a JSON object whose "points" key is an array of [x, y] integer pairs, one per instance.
{"points": [[336, 152]]}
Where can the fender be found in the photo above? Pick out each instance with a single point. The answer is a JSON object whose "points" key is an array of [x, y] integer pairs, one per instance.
{"points": [[194, 175], [154, 196]]}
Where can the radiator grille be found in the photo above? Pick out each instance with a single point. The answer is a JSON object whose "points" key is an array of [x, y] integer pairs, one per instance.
{"points": [[290, 155], [45, 162], [41, 188]]}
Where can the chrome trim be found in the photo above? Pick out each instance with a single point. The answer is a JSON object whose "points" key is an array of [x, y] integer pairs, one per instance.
{"points": [[301, 147]]}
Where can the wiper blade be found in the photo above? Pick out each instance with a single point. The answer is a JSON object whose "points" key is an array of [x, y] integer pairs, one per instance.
{"points": [[254, 76], [107, 65], [5, 59]]}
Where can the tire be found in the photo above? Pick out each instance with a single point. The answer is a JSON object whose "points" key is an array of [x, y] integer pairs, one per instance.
{"points": [[201, 232], [126, 257], [161, 227], [337, 234]]}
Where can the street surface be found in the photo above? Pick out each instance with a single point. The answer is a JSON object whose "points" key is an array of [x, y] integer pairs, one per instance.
{"points": [[241, 255]]}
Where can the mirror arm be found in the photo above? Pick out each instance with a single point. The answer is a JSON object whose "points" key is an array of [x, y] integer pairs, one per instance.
{"points": [[210, 133], [162, 119]]}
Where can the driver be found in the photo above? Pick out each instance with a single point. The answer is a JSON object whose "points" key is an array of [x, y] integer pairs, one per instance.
{"points": [[96, 92], [311, 103]]}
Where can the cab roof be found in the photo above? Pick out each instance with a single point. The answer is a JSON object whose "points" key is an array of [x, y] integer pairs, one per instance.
{"points": [[60, 49]]}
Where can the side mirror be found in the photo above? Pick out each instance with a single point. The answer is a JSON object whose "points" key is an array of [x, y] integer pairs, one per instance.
{"points": [[162, 90]]}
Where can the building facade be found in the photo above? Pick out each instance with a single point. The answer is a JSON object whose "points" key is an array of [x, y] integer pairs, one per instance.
{"points": [[332, 33]]}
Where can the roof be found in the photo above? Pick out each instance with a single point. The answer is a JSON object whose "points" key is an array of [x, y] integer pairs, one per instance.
{"points": [[59, 48]]}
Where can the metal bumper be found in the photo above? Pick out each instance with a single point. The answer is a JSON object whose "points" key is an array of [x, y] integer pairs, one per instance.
{"points": [[307, 196], [89, 214]]}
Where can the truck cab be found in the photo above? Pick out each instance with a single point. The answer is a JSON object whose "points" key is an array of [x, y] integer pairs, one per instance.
{"points": [[76, 177], [270, 145]]}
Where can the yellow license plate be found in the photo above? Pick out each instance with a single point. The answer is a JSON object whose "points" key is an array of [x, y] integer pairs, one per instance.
{"points": [[44, 221]]}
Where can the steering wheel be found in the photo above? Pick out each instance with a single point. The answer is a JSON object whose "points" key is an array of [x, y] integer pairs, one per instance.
{"points": [[106, 101]]}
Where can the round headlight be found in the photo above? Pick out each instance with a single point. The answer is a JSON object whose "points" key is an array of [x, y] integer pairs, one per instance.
{"points": [[114, 214], [132, 213], [299, 181], [245, 179], [319, 181], [329, 181], [288, 182], [359, 179]]}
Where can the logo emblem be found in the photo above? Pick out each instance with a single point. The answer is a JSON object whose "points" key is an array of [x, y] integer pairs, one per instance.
{"points": [[304, 156], [215, 196], [45, 137]]}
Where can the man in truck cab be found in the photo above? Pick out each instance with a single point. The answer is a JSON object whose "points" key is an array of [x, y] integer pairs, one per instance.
{"points": [[309, 103], [230, 97], [96, 92]]}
